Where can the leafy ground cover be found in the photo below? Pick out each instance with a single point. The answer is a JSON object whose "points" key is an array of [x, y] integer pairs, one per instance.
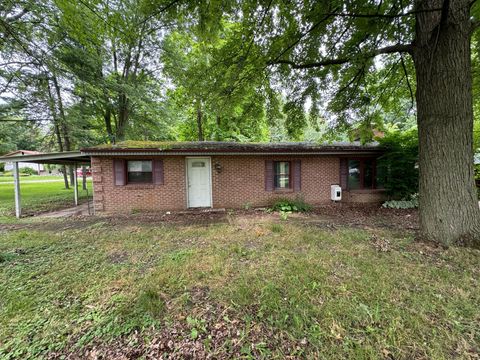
{"points": [[235, 284], [37, 196]]}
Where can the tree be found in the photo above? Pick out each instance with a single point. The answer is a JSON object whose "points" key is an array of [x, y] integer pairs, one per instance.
{"points": [[113, 47], [16, 134], [204, 71], [329, 47]]}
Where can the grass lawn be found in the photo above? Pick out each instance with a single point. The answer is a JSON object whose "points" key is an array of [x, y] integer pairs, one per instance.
{"points": [[37, 196], [9, 178], [248, 286]]}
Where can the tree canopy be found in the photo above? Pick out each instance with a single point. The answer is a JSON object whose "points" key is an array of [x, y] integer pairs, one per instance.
{"points": [[150, 69]]}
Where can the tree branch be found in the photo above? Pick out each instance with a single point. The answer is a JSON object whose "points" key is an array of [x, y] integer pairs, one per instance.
{"points": [[408, 81], [399, 48], [378, 15], [302, 35]]}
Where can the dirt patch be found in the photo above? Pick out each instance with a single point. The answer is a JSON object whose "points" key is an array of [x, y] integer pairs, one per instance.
{"points": [[177, 218], [118, 221], [208, 331], [118, 257], [365, 215], [380, 243], [328, 217]]}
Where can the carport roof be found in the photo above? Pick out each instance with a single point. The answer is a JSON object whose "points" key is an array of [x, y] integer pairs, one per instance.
{"points": [[62, 158]]}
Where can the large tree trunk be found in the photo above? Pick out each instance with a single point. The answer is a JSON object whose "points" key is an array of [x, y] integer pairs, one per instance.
{"points": [[107, 116], [199, 121], [218, 136], [53, 111], [64, 127], [123, 114], [449, 211]]}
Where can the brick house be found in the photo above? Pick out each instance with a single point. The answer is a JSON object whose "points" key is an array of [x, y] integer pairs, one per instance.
{"points": [[151, 176], [38, 168]]}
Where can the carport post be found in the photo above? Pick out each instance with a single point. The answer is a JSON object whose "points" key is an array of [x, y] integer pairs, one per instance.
{"points": [[16, 185], [75, 184]]}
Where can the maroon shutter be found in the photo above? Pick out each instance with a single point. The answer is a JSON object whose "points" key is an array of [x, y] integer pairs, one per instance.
{"points": [[297, 175], [268, 175], [343, 173], [158, 172], [119, 173]]}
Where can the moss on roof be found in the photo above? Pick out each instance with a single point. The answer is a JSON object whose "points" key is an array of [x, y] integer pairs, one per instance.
{"points": [[137, 144], [225, 146]]}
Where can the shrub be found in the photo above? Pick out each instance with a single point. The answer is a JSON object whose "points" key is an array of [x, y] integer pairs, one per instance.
{"points": [[410, 203], [289, 206], [476, 169], [399, 164], [2, 167], [27, 171]]}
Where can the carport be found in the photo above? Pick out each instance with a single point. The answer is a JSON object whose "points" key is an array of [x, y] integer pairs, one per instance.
{"points": [[74, 158]]}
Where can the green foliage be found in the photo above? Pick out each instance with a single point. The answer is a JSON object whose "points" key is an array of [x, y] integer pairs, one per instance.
{"points": [[411, 203], [398, 167], [289, 206], [2, 167], [216, 98], [17, 135], [27, 171], [197, 326], [277, 228], [296, 120], [150, 302], [476, 169]]}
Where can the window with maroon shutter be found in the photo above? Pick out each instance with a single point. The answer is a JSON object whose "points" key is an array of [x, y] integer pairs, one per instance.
{"points": [[297, 175], [158, 172], [268, 175], [139, 171], [119, 175]]}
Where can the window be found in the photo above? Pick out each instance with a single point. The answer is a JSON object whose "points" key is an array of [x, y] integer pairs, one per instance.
{"points": [[362, 174], [139, 171], [198, 164], [281, 176], [354, 181]]}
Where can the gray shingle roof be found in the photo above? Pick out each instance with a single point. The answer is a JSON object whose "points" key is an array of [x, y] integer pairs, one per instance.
{"points": [[236, 147]]}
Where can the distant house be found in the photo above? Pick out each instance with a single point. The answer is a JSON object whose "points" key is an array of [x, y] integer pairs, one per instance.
{"points": [[37, 167], [178, 175]]}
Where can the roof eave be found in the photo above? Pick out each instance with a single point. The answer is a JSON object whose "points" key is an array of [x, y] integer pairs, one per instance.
{"points": [[150, 152]]}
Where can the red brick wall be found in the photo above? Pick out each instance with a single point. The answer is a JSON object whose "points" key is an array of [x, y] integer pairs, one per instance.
{"points": [[110, 198], [364, 196], [240, 181]]}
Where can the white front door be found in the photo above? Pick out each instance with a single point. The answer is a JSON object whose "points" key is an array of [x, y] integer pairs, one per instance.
{"points": [[199, 182]]}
